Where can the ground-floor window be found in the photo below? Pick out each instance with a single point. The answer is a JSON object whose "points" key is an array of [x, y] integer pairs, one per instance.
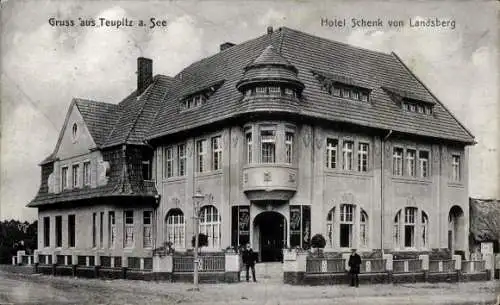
{"points": [[240, 226], [405, 228], [210, 221], [330, 224], [340, 227], [346, 225], [300, 226], [175, 228], [363, 229]]}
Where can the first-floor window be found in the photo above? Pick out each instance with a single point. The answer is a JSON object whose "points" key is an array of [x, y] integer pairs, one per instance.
{"points": [[455, 168], [331, 153], [181, 153], [169, 162], [201, 151], [249, 143], [268, 146], [128, 229], [347, 155], [86, 174], [147, 236], [423, 158], [363, 157], [397, 161], [289, 147], [76, 175], [175, 228], [210, 225], [410, 162], [64, 178], [216, 153]]}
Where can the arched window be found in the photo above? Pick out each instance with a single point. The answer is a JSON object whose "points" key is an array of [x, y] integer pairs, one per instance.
{"points": [[175, 228], [330, 220], [425, 230], [210, 225], [404, 229], [363, 229], [346, 225], [395, 229]]}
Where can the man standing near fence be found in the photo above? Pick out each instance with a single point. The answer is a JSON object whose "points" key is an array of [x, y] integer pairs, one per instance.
{"points": [[249, 259], [354, 266]]}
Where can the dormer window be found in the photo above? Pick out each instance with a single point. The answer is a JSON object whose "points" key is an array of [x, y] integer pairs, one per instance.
{"points": [[344, 87], [416, 106], [198, 98], [271, 90]]}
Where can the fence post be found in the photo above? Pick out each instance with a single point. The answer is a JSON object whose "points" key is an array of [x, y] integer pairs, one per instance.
{"points": [[30, 262], [232, 267], [20, 256], [35, 257], [488, 265], [458, 266], [424, 258], [14, 260], [388, 266], [345, 256]]}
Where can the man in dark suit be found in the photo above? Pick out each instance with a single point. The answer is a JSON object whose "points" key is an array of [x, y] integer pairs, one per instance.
{"points": [[354, 266], [249, 259]]}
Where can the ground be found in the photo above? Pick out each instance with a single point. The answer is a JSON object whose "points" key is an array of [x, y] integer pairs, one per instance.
{"points": [[41, 289]]}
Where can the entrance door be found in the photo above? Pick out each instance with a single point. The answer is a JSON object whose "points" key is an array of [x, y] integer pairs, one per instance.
{"points": [[271, 226]]}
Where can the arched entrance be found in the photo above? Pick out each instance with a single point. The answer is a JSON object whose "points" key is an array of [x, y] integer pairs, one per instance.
{"points": [[456, 229], [270, 233]]}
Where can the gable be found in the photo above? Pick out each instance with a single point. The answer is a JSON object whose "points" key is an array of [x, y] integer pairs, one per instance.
{"points": [[70, 144]]}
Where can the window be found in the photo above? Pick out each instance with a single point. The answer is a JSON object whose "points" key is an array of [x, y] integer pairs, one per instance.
{"points": [[169, 162], [409, 227], [355, 95], [417, 107], [425, 230], [363, 157], [261, 90], [364, 96], [455, 167], [397, 161], [175, 228], [129, 229], [46, 231], [111, 229], [181, 153], [249, 143], [147, 172], [336, 91], [346, 225], [300, 226], [210, 225], [289, 147], [410, 162], [423, 161], [217, 153], [147, 236], [289, 92], [274, 90], [101, 230], [71, 231], [58, 231], [363, 229], [330, 225], [201, 151], [347, 155], [240, 225], [268, 146], [64, 178], [406, 230], [331, 153], [74, 132], [94, 230], [86, 174], [75, 175], [345, 92]]}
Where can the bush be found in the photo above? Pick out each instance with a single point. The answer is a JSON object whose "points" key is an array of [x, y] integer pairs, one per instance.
{"points": [[202, 240], [318, 241]]}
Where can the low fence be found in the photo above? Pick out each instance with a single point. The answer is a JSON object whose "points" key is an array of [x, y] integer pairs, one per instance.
{"points": [[446, 266], [206, 263], [473, 266]]}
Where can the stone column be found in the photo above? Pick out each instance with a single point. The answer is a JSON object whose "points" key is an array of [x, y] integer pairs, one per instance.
{"points": [[458, 266], [232, 267], [424, 258]]}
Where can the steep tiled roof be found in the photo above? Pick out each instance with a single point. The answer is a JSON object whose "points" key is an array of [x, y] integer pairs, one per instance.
{"points": [[309, 53], [136, 113], [99, 118]]}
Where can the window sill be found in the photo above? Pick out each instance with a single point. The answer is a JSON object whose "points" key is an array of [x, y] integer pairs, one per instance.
{"points": [[208, 174], [411, 179], [256, 165], [174, 179], [342, 172], [456, 184]]}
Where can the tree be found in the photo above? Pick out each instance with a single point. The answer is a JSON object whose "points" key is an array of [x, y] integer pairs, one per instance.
{"points": [[15, 236], [318, 242], [485, 220], [202, 240]]}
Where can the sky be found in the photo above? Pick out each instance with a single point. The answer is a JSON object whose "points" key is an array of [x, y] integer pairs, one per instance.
{"points": [[43, 67]]}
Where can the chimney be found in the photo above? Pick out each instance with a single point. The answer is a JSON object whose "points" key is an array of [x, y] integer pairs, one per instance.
{"points": [[144, 74], [269, 30], [226, 45]]}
